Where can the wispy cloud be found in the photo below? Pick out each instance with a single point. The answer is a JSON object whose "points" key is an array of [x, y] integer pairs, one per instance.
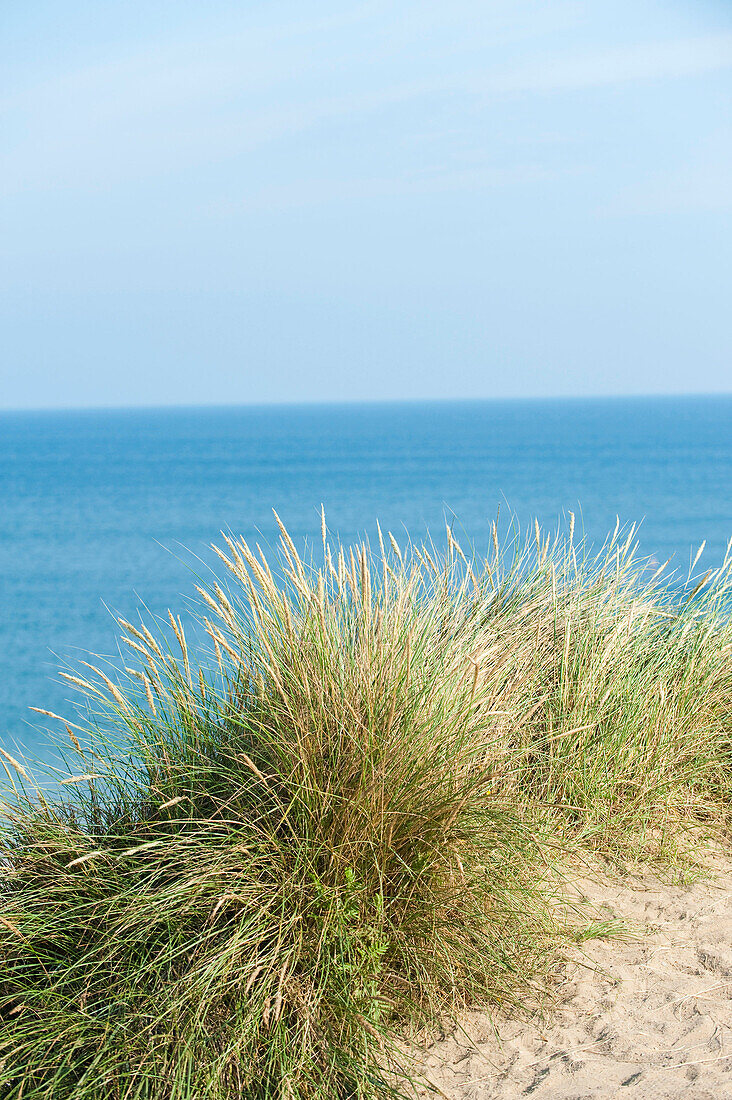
{"points": [[703, 187], [399, 185], [664, 60], [175, 106]]}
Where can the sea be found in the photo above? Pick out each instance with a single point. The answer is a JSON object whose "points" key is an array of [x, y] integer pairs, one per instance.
{"points": [[103, 512]]}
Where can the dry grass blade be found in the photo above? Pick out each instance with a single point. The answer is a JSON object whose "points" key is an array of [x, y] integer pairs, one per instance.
{"points": [[18, 767], [86, 858]]}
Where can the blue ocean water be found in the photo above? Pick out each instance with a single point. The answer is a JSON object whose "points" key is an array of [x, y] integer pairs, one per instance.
{"points": [[101, 509]]}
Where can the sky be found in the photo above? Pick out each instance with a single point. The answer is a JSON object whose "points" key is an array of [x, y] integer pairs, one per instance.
{"points": [[277, 202]]}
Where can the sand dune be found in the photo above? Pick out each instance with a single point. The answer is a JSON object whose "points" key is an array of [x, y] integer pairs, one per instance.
{"points": [[646, 1017]]}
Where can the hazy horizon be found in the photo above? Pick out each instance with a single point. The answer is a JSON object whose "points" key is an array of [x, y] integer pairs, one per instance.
{"points": [[346, 402]]}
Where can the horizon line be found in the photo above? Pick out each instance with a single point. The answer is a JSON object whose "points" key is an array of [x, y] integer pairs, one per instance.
{"points": [[355, 402]]}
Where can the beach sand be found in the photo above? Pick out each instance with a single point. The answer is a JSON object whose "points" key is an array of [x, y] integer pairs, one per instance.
{"points": [[647, 1016]]}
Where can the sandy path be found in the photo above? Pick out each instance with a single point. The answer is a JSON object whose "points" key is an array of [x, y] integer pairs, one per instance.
{"points": [[649, 1017]]}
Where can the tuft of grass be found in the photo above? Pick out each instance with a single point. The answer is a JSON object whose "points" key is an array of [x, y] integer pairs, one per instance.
{"points": [[343, 818]]}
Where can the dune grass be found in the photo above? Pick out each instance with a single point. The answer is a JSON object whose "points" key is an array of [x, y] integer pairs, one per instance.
{"points": [[273, 859]]}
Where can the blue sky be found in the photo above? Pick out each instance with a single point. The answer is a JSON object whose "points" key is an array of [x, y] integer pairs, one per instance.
{"points": [[214, 203]]}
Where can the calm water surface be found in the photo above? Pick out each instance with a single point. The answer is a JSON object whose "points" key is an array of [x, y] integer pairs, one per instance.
{"points": [[99, 510]]}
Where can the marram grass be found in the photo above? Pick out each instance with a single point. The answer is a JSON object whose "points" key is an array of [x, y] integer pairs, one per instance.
{"points": [[273, 860]]}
